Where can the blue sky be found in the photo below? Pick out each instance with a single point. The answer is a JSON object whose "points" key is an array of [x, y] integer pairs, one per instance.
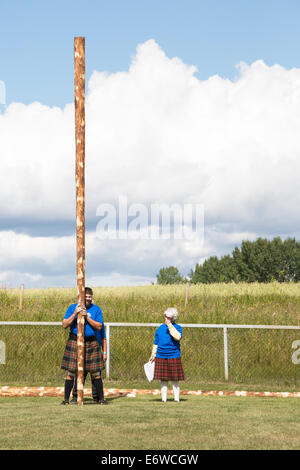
{"points": [[199, 104], [36, 38]]}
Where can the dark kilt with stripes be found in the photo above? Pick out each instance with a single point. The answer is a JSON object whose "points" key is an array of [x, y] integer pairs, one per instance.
{"points": [[93, 359], [168, 369]]}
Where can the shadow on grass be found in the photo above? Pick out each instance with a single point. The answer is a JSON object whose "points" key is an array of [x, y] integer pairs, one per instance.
{"points": [[90, 401], [169, 400]]}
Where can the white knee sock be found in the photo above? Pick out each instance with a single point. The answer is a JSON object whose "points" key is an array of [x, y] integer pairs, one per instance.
{"points": [[176, 390], [164, 390]]}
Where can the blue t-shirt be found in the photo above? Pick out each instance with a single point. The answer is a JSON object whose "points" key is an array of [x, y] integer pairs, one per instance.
{"points": [[100, 335], [167, 346], [94, 312]]}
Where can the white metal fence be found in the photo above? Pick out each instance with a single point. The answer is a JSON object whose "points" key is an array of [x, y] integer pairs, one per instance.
{"points": [[224, 327], [274, 355]]}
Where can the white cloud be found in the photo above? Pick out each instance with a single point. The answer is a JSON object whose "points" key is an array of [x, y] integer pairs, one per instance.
{"points": [[117, 279], [108, 262], [37, 156], [17, 249], [14, 278], [156, 133]]}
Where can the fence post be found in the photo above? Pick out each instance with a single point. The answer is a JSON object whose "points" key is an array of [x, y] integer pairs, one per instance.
{"points": [[225, 353], [108, 350], [21, 297], [2, 352], [187, 290]]}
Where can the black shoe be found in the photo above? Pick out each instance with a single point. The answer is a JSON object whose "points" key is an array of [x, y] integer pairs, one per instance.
{"points": [[65, 402], [102, 402], [73, 401]]}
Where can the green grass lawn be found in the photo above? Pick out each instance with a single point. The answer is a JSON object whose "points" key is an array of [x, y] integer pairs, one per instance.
{"points": [[145, 422]]}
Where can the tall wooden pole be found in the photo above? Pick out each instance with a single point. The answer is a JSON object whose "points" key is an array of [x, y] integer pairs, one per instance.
{"points": [[79, 63]]}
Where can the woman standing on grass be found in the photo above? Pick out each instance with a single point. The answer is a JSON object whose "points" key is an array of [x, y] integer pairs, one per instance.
{"points": [[166, 353]]}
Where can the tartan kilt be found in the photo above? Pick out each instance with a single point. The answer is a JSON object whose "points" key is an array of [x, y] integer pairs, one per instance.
{"points": [[93, 358], [168, 369]]}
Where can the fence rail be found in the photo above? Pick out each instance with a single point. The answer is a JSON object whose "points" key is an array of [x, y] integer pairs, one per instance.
{"points": [[265, 354]]}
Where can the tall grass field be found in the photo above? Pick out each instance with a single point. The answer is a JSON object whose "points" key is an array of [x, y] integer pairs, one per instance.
{"points": [[247, 303], [257, 358]]}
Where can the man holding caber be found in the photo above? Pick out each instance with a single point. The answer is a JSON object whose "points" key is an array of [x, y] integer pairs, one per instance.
{"points": [[93, 359], [101, 338]]}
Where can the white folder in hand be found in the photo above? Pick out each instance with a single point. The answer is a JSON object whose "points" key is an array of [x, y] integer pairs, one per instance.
{"points": [[149, 370]]}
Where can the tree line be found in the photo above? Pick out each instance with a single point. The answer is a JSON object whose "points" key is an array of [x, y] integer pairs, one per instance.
{"points": [[255, 261]]}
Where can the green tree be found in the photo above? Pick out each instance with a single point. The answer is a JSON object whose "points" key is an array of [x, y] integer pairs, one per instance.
{"points": [[261, 260], [215, 270], [264, 260], [169, 275]]}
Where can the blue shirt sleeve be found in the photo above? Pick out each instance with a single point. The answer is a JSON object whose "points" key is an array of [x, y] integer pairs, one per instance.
{"points": [[70, 311], [100, 335], [156, 337], [99, 316], [95, 314]]}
